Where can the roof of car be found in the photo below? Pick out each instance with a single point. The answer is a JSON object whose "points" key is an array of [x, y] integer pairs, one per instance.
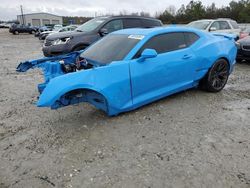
{"points": [[225, 19], [127, 16], [218, 19], [203, 20], [156, 30]]}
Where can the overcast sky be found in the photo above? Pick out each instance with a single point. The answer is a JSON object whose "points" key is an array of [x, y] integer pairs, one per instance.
{"points": [[10, 8]]}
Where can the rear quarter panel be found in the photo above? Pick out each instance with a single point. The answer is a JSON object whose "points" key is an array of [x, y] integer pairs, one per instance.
{"points": [[211, 48]]}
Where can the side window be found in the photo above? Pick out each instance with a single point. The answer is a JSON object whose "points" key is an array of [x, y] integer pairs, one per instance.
{"points": [[150, 23], [113, 25], [216, 25], [224, 25], [132, 23], [234, 24], [190, 38], [164, 43], [221, 25]]}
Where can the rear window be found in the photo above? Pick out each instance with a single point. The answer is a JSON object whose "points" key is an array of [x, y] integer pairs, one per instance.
{"points": [[190, 38], [234, 24], [199, 24], [132, 23], [150, 23]]}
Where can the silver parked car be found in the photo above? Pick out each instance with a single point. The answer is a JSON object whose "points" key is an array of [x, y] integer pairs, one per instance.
{"points": [[220, 25]]}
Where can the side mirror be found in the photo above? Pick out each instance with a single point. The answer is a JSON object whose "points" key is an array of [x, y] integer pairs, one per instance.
{"points": [[212, 29], [103, 31], [147, 53]]}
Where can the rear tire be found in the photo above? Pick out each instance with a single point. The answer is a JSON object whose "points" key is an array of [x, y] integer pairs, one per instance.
{"points": [[217, 76], [16, 33]]}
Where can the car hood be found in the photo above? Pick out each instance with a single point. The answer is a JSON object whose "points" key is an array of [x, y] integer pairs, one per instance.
{"points": [[46, 32], [60, 35], [245, 40]]}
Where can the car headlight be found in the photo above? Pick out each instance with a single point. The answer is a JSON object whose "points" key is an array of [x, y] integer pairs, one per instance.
{"points": [[61, 41]]}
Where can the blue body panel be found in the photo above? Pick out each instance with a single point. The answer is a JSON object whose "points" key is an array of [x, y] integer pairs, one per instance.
{"points": [[128, 84]]}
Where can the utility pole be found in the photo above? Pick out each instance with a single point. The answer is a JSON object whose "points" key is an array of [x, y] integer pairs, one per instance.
{"points": [[22, 14]]}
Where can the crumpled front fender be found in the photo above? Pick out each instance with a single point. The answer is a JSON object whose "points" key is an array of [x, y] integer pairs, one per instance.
{"points": [[58, 86]]}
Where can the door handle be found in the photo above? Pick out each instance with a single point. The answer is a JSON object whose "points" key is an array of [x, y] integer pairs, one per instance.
{"points": [[186, 56]]}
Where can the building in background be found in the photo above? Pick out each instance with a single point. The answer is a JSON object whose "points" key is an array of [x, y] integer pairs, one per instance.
{"points": [[39, 19]]}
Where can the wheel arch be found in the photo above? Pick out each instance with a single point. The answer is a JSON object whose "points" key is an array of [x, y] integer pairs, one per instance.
{"points": [[227, 60], [203, 80], [216, 60], [224, 58], [83, 94]]}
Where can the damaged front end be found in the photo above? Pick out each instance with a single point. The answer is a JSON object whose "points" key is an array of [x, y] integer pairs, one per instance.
{"points": [[53, 66], [61, 88]]}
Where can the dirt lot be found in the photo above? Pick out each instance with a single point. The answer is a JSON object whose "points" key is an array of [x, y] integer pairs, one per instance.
{"points": [[191, 139]]}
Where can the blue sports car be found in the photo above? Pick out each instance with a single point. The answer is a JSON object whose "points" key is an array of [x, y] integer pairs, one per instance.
{"points": [[133, 67]]}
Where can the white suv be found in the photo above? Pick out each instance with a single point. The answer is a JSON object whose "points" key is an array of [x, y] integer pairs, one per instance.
{"points": [[220, 25]]}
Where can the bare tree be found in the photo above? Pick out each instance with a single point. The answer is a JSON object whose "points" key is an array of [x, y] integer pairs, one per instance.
{"points": [[171, 10]]}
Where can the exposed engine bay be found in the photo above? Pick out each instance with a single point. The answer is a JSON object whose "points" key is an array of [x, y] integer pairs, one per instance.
{"points": [[53, 67], [56, 66], [80, 64]]}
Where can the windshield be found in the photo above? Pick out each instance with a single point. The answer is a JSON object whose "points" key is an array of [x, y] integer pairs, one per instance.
{"points": [[63, 29], [57, 28], [199, 24], [113, 47], [90, 25]]}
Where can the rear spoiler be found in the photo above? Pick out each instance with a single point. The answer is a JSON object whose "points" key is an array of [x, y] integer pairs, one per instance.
{"points": [[226, 35]]}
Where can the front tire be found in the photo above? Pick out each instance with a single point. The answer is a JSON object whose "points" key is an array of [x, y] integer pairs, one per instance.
{"points": [[217, 77], [16, 33]]}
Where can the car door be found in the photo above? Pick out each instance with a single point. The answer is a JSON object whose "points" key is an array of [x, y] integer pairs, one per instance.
{"points": [[172, 70], [24, 29], [20, 29]]}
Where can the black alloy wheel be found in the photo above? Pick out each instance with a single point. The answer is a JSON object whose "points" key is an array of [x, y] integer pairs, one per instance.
{"points": [[217, 76]]}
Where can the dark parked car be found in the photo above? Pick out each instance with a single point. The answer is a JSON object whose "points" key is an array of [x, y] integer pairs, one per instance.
{"points": [[16, 29], [44, 34], [5, 25], [91, 31], [243, 49], [42, 29]]}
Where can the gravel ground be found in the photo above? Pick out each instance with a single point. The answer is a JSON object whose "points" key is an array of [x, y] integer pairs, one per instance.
{"points": [[191, 139]]}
